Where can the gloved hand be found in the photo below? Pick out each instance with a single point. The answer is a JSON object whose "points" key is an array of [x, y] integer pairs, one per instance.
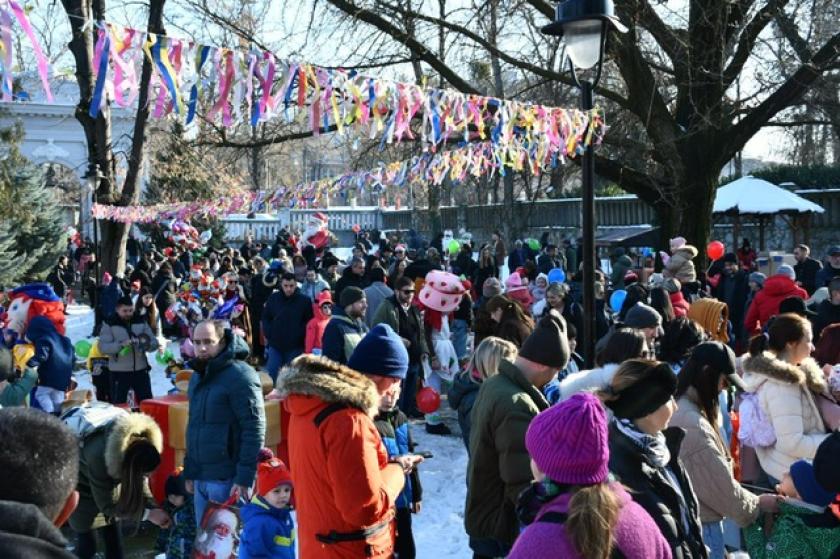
{"points": [[23, 354]]}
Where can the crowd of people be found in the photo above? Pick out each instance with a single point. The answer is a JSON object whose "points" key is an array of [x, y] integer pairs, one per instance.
{"points": [[708, 403]]}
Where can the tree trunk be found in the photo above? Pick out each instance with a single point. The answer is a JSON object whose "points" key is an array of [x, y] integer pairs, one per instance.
{"points": [[98, 131], [435, 220], [691, 216]]}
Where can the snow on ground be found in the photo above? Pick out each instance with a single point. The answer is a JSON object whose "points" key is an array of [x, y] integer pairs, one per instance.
{"points": [[438, 529]]}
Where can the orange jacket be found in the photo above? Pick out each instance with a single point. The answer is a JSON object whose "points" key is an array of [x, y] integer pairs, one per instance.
{"points": [[342, 479]]}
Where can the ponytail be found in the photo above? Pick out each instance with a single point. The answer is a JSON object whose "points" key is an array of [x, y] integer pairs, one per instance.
{"points": [[593, 514], [759, 344]]}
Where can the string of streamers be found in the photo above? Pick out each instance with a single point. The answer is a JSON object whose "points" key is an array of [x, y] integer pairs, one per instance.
{"points": [[229, 86], [11, 11], [457, 166]]}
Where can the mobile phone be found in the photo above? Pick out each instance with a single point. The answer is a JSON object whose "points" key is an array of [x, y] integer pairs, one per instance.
{"points": [[425, 454]]}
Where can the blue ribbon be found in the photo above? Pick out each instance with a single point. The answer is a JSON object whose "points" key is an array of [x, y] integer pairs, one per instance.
{"points": [[203, 55], [101, 76]]}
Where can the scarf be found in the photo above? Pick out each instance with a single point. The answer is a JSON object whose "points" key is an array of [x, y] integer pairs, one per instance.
{"points": [[653, 447]]}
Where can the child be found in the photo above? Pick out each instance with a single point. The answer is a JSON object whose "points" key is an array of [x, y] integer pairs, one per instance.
{"points": [[177, 540], [516, 287], [801, 483], [269, 529], [392, 425], [538, 288]]}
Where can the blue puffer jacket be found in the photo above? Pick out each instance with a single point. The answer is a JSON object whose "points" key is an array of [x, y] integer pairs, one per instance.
{"points": [[269, 532], [111, 293], [226, 427], [341, 336], [284, 320], [393, 429], [54, 354]]}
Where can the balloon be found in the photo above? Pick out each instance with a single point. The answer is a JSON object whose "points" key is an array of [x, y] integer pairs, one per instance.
{"points": [[647, 251], [206, 236], [715, 250], [557, 275], [617, 299], [187, 348], [454, 247], [533, 244], [82, 348], [356, 228], [428, 400]]}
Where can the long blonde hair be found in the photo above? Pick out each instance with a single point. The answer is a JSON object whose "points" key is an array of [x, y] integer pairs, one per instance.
{"points": [[487, 356], [593, 514]]}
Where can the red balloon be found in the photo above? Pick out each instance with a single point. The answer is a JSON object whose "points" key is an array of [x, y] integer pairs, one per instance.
{"points": [[428, 400], [356, 228], [715, 250]]}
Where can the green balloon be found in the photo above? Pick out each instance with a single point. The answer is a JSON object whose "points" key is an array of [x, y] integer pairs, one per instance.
{"points": [[163, 358], [454, 247], [533, 244], [82, 348]]}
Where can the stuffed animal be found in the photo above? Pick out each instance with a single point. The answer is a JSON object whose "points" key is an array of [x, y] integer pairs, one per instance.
{"points": [[36, 317]]}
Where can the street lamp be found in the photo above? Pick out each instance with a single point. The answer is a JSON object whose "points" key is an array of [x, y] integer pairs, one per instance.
{"points": [[584, 25]]}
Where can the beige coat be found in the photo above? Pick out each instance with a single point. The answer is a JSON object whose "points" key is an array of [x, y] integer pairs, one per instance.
{"points": [[709, 466], [786, 395]]}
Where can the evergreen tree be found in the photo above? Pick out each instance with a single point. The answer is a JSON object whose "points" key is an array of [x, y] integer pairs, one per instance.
{"points": [[31, 227]]}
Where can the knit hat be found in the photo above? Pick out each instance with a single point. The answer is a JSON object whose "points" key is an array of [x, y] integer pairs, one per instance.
{"points": [[547, 344], [514, 283], [655, 387], [825, 463], [491, 288], [349, 295], [271, 472], [676, 243], [381, 352], [818, 297], [758, 278], [786, 270], [175, 484], [730, 257], [672, 285], [643, 316], [802, 474], [568, 442]]}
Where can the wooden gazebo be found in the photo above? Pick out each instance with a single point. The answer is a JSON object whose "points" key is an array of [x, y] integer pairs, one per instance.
{"points": [[759, 200]]}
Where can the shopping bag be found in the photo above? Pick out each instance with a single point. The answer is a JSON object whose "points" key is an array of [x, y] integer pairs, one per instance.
{"points": [[218, 535]]}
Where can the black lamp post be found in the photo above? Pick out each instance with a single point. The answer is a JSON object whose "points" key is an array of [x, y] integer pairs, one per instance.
{"points": [[584, 25]]}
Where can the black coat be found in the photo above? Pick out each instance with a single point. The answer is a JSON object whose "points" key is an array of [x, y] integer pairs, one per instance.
{"points": [[284, 320], [740, 288], [827, 314], [651, 489], [347, 279], [806, 274], [164, 289], [25, 533]]}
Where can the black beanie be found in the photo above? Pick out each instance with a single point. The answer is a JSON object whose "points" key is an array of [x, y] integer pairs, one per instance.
{"points": [[175, 485], [547, 344], [826, 461], [144, 454], [125, 300], [653, 389], [350, 295]]}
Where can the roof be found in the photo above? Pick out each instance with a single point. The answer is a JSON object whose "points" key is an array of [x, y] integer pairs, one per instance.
{"points": [[751, 195], [635, 236]]}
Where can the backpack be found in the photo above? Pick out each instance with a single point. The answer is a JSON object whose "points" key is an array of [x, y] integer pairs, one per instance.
{"points": [[755, 429], [90, 418]]}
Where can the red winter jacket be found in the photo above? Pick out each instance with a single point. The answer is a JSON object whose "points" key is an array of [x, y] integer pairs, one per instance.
{"points": [[679, 303], [766, 303], [317, 324], [342, 480]]}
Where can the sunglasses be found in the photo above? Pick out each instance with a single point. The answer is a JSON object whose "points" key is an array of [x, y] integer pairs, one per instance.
{"points": [[326, 306]]}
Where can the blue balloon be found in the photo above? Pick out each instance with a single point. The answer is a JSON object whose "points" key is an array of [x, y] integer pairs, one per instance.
{"points": [[647, 251], [557, 275], [617, 299]]}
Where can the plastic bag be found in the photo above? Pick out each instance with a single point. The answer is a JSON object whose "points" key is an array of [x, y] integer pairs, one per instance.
{"points": [[218, 535]]}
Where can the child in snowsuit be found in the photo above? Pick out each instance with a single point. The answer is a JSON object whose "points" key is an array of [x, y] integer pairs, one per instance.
{"points": [[177, 540], [269, 531], [393, 427]]}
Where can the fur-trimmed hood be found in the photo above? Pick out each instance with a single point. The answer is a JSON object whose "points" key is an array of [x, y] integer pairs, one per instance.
{"points": [[311, 375], [808, 373], [126, 429]]}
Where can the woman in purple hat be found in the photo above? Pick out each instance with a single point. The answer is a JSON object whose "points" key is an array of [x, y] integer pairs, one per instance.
{"points": [[572, 510]]}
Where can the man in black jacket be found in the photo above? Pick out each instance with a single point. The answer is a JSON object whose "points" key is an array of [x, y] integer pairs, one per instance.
{"points": [[806, 268], [732, 289], [550, 260], [828, 312], [284, 322], [40, 465]]}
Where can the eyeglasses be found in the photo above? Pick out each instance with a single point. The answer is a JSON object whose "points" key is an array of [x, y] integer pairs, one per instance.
{"points": [[326, 306], [407, 292]]}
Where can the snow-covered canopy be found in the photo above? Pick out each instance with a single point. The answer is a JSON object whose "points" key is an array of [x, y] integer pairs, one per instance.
{"points": [[749, 195]]}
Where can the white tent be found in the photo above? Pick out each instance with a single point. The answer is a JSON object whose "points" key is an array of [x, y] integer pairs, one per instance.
{"points": [[762, 201], [749, 195]]}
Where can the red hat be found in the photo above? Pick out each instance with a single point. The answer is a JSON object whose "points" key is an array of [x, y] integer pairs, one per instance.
{"points": [[271, 472]]}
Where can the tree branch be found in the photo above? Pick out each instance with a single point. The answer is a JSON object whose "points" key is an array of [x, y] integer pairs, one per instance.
{"points": [[672, 41], [746, 43], [783, 97]]}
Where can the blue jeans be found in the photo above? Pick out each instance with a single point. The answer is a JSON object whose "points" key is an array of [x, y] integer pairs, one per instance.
{"points": [[713, 538], [277, 359], [206, 491], [408, 395], [460, 335]]}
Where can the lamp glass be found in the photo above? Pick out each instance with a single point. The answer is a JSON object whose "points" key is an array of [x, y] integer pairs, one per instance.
{"points": [[583, 42]]}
